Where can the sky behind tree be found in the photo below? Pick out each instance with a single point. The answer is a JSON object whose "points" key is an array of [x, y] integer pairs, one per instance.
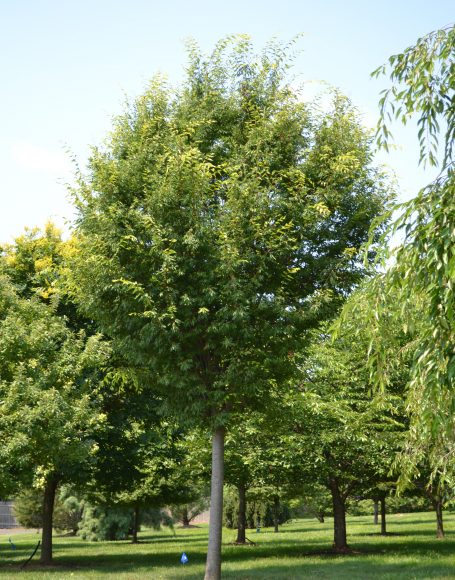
{"points": [[68, 67]]}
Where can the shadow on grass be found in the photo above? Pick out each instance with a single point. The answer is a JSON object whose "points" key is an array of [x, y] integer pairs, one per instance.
{"points": [[347, 566], [299, 556], [281, 549]]}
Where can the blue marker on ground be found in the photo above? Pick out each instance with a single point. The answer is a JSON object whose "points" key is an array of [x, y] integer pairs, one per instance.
{"points": [[184, 558]]}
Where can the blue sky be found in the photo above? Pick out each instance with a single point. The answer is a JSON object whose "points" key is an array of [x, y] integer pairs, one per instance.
{"points": [[67, 66]]}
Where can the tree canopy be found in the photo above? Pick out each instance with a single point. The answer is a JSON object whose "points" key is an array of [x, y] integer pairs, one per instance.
{"points": [[218, 223]]}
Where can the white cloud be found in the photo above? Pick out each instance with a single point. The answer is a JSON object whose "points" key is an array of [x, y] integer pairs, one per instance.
{"points": [[36, 158]]}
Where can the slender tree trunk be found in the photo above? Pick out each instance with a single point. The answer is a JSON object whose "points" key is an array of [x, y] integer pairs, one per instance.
{"points": [[375, 512], [135, 524], [185, 517], [48, 514], [383, 519], [437, 504], [320, 517], [339, 518], [213, 564], [276, 512], [241, 524]]}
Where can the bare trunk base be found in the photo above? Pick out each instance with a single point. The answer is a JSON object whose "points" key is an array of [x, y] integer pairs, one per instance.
{"points": [[241, 523], [134, 539], [276, 513], [375, 512], [48, 515], [339, 519], [439, 521], [213, 564], [383, 518], [185, 518]]}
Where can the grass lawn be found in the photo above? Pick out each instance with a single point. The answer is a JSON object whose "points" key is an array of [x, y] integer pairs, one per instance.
{"points": [[298, 551]]}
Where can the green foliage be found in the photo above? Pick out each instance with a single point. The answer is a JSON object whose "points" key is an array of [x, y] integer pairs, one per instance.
{"points": [[100, 523], [109, 523], [34, 260], [256, 509], [314, 502], [68, 511], [36, 264], [47, 414], [156, 517], [394, 505], [422, 268], [424, 83], [28, 509], [185, 513], [348, 435], [220, 221], [259, 509]]}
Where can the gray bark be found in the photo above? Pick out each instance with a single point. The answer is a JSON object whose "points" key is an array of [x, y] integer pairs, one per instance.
{"points": [[383, 518], [276, 513], [213, 564], [375, 512]]}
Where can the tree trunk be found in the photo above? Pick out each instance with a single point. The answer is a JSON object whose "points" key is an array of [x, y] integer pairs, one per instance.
{"points": [[241, 525], [437, 504], [375, 512], [276, 512], [339, 518], [320, 517], [383, 520], [135, 524], [185, 517], [213, 564], [48, 514]]}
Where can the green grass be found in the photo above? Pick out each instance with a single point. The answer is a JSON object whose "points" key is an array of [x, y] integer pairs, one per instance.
{"points": [[300, 550]]}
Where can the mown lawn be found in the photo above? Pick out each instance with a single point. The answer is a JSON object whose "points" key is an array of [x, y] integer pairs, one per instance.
{"points": [[300, 550]]}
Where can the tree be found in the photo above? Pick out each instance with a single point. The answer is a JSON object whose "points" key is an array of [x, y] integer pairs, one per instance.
{"points": [[141, 464], [349, 438], [424, 264], [218, 223], [185, 513], [47, 415], [28, 509], [35, 263]]}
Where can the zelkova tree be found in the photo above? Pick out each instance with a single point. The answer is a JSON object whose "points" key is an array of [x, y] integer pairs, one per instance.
{"points": [[216, 225]]}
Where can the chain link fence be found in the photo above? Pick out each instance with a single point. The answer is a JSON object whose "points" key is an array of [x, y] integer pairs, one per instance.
{"points": [[7, 519]]}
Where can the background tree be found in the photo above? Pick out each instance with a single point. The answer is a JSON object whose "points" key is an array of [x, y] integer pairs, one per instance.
{"points": [[187, 512], [349, 438], [47, 416], [217, 224], [423, 267], [141, 460]]}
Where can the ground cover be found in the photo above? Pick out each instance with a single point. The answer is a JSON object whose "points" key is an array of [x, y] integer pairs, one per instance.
{"points": [[300, 550]]}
